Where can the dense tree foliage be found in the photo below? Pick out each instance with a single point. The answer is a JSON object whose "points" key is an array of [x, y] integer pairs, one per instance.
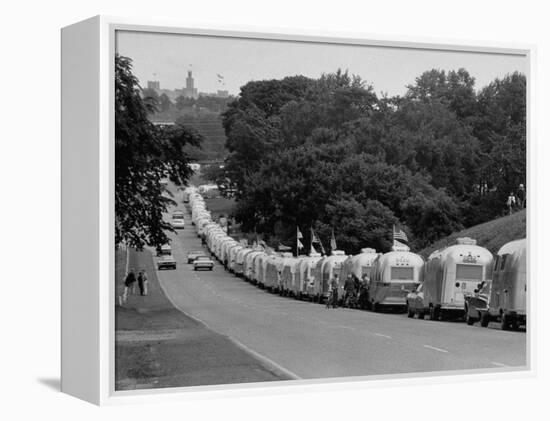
{"points": [[328, 153], [144, 154]]}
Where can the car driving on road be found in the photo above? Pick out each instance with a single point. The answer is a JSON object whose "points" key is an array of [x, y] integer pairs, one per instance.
{"points": [[164, 250], [193, 255], [178, 220], [166, 262], [203, 262]]}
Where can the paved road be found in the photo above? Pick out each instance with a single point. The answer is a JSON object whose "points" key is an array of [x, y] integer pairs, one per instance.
{"points": [[311, 342], [159, 346]]}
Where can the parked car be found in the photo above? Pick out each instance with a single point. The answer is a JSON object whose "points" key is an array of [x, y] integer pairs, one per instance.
{"points": [[203, 262], [166, 262], [178, 220], [193, 255], [415, 303]]}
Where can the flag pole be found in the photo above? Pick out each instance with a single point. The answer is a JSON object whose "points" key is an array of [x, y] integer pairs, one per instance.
{"points": [[297, 252]]}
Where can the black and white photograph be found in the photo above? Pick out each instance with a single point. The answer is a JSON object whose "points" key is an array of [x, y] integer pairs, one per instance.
{"points": [[293, 210]]}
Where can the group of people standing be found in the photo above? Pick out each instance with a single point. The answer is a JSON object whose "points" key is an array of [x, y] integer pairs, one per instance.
{"points": [[130, 283], [353, 288]]}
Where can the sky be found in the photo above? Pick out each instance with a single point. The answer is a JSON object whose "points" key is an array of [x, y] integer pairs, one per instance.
{"points": [[168, 57]]}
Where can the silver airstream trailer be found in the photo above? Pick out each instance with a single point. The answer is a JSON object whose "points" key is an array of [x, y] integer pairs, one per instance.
{"points": [[358, 266], [325, 270], [392, 276], [508, 299], [232, 256], [260, 265], [452, 273], [272, 272], [306, 278], [289, 275], [250, 264], [238, 267], [225, 251]]}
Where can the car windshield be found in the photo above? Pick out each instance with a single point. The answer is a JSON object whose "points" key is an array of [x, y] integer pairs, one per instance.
{"points": [[202, 258], [197, 252], [177, 216]]}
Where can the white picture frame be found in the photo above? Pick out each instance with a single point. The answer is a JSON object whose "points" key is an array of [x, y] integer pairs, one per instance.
{"points": [[88, 300]]}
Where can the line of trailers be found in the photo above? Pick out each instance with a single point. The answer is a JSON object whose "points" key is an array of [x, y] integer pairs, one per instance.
{"points": [[461, 281]]}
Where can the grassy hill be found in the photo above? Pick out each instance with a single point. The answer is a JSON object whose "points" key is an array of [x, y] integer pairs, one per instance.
{"points": [[491, 235]]}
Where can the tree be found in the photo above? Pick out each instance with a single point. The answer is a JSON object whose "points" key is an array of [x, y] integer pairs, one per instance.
{"points": [[164, 103], [144, 154]]}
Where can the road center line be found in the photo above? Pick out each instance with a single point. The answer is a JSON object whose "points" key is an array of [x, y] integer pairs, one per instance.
{"points": [[436, 349], [383, 336], [498, 364], [345, 327]]}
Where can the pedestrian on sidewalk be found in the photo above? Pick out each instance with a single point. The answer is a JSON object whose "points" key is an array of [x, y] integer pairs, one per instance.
{"points": [[142, 282], [129, 282]]}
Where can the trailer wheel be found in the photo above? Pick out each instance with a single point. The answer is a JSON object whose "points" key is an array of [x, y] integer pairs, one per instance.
{"points": [[469, 319], [434, 313], [485, 318], [513, 323], [410, 312], [374, 307], [504, 322], [421, 315]]}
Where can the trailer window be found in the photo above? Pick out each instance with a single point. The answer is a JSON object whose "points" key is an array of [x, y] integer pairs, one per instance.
{"points": [[402, 273], [474, 272]]}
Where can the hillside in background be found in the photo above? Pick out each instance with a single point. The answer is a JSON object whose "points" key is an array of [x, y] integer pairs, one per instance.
{"points": [[208, 123], [491, 235]]}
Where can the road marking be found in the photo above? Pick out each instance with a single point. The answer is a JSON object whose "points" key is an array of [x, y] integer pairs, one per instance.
{"points": [[384, 336], [498, 364], [436, 349], [265, 360], [345, 327]]}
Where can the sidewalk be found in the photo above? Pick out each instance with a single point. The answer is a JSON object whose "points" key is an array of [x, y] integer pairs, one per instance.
{"points": [[158, 346]]}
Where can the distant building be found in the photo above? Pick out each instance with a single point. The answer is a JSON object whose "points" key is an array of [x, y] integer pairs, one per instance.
{"points": [[218, 94], [190, 91], [153, 84]]}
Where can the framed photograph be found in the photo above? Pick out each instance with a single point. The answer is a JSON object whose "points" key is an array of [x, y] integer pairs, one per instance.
{"points": [[248, 210]]}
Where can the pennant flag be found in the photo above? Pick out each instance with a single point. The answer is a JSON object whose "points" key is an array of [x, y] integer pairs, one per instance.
{"points": [[333, 241], [312, 251], [299, 234], [300, 245], [315, 239]]}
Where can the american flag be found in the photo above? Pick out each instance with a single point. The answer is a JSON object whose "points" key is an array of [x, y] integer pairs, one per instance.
{"points": [[400, 235]]}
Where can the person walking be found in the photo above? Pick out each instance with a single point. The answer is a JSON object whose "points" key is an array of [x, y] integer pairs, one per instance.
{"points": [[129, 282], [333, 292], [142, 282]]}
